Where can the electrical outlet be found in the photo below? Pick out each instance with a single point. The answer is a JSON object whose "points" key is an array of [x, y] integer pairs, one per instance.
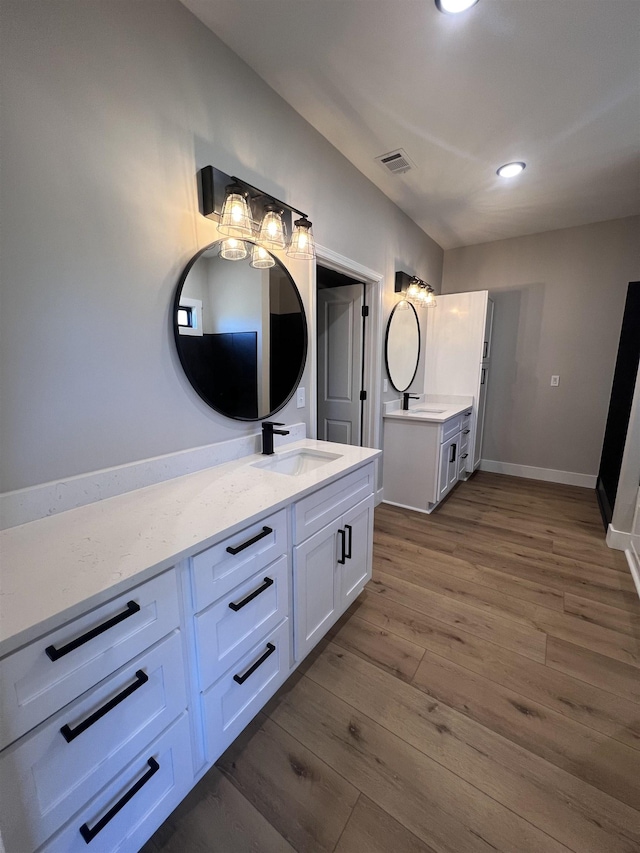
{"points": [[555, 380], [300, 398], [385, 385]]}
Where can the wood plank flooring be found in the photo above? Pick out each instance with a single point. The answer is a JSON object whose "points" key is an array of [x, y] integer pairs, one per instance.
{"points": [[482, 695]]}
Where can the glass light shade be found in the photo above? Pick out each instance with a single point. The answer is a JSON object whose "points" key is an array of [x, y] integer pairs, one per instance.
{"points": [[233, 250], [430, 299], [403, 305], [302, 244], [272, 234], [510, 170], [235, 219], [413, 291], [454, 6], [261, 259]]}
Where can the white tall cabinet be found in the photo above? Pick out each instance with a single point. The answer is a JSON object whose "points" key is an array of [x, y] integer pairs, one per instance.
{"points": [[458, 356]]}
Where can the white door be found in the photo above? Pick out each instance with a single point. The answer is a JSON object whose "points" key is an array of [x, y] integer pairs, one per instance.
{"points": [[340, 363]]}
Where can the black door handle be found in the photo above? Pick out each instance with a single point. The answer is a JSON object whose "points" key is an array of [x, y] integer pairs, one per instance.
{"points": [[54, 654], [70, 734], [452, 453], [264, 532], [267, 583], [350, 529], [240, 679], [90, 833], [342, 558]]}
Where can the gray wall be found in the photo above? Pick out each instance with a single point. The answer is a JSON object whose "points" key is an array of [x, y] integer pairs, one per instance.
{"points": [[559, 299], [109, 109]]}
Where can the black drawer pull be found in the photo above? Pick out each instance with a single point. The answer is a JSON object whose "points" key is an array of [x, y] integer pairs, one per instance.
{"points": [[464, 456], [343, 553], [89, 834], [70, 734], [267, 583], [54, 654], [466, 431], [350, 529], [264, 532], [452, 453], [242, 678]]}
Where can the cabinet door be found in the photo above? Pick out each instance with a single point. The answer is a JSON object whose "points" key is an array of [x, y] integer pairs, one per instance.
{"points": [[448, 465], [314, 586], [488, 327], [482, 401], [356, 570]]}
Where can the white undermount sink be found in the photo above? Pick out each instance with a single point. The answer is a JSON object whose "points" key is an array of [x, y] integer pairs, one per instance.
{"points": [[296, 462], [426, 411]]}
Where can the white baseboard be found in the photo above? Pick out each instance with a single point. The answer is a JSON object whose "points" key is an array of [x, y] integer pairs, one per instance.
{"points": [[379, 497], [618, 539], [634, 566], [550, 475]]}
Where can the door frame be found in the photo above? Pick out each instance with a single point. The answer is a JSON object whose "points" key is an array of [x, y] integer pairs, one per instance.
{"points": [[372, 343]]}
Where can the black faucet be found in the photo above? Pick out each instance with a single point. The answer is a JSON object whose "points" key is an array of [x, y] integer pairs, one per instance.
{"points": [[405, 400], [268, 432]]}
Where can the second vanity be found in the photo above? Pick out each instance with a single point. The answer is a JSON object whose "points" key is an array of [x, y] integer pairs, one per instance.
{"points": [[140, 634], [426, 449]]}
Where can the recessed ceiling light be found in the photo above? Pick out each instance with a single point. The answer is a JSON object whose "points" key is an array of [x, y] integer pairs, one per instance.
{"points": [[452, 7], [510, 170]]}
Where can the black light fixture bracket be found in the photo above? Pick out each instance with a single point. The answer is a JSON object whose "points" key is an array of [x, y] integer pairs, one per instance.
{"points": [[213, 185], [403, 280]]}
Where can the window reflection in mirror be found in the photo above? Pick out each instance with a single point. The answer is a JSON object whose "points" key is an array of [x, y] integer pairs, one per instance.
{"points": [[241, 334]]}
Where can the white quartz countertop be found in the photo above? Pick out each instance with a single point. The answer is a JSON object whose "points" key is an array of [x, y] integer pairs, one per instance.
{"points": [[52, 569], [436, 413]]}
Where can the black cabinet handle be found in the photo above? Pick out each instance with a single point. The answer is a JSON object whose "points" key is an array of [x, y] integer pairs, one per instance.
{"points": [[264, 532], [343, 553], [53, 653], [464, 455], [452, 453], [466, 431], [267, 583], [242, 678], [350, 529], [483, 375], [485, 349], [90, 833], [70, 734]]}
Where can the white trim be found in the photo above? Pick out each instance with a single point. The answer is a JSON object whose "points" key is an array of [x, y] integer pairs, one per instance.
{"points": [[530, 472], [618, 539], [379, 497], [373, 341], [634, 565], [24, 505]]}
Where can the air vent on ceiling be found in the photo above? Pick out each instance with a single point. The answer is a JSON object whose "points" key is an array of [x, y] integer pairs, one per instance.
{"points": [[396, 161]]}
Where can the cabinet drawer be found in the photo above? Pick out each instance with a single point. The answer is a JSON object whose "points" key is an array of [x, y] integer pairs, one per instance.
{"points": [[224, 633], [229, 706], [33, 686], [217, 570], [146, 796], [451, 427], [321, 508], [44, 776], [465, 423]]}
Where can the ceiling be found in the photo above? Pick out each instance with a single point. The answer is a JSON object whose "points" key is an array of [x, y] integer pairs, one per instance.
{"points": [[555, 83]]}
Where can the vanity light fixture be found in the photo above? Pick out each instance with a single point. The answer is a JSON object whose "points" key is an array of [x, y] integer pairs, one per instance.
{"points": [[415, 290], [453, 7], [237, 207], [261, 259], [233, 250], [510, 170]]}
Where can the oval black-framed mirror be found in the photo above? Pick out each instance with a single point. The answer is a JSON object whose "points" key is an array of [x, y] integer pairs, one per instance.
{"points": [[240, 332], [402, 345]]}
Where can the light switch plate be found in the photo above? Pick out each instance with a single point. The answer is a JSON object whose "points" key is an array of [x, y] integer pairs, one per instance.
{"points": [[385, 385], [555, 380], [300, 398]]}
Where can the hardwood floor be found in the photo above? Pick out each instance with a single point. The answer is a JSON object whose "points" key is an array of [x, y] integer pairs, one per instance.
{"points": [[482, 695]]}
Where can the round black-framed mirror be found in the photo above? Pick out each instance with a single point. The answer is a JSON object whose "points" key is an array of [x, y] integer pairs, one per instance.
{"points": [[240, 332], [402, 345]]}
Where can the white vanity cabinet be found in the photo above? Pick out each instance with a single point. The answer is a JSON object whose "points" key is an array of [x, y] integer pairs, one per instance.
{"points": [[424, 459], [333, 556], [92, 701], [111, 713]]}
